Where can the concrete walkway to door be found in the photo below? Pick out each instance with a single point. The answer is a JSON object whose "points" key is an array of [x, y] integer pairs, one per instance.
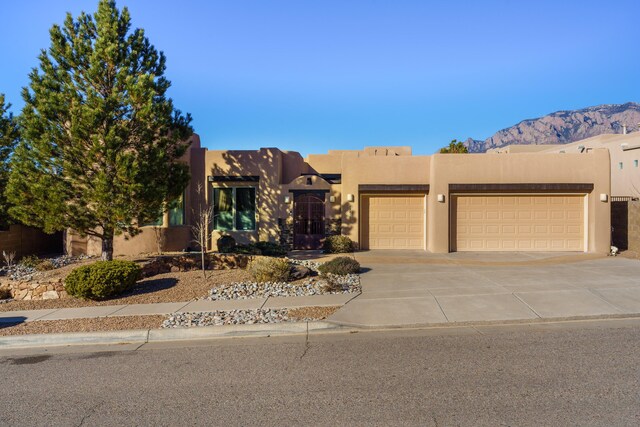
{"points": [[405, 288]]}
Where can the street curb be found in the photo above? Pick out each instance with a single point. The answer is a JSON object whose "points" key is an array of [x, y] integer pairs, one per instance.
{"points": [[143, 336], [537, 321], [75, 338]]}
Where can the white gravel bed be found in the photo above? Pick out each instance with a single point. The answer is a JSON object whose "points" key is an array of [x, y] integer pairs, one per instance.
{"points": [[311, 265], [244, 290], [231, 317], [22, 272]]}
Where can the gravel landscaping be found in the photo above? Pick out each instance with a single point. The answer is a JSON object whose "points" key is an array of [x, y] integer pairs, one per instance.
{"points": [[312, 286], [22, 272], [168, 287], [247, 317]]}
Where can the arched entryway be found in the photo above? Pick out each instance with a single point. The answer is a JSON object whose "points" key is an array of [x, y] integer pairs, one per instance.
{"points": [[308, 221]]}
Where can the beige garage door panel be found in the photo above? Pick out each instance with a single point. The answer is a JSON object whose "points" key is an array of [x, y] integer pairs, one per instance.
{"points": [[395, 222], [519, 223]]}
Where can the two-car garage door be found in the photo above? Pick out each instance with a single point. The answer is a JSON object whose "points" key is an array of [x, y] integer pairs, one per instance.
{"points": [[518, 223]]}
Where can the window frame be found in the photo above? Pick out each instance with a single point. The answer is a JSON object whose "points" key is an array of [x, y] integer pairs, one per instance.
{"points": [[233, 207]]}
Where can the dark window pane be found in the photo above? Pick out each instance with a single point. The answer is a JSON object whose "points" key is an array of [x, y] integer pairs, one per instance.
{"points": [[223, 208], [245, 208], [176, 212]]}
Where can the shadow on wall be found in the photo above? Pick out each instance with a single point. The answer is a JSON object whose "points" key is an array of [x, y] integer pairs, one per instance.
{"points": [[25, 241], [273, 168]]}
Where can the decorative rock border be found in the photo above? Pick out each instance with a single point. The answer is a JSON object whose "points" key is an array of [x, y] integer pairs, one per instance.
{"points": [[231, 317]]}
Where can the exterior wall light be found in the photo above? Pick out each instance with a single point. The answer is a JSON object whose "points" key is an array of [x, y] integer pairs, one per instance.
{"points": [[441, 198], [287, 199], [350, 198], [332, 199], [604, 197]]}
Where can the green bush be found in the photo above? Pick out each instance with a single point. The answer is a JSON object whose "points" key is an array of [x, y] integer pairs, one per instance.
{"points": [[226, 244], [247, 250], [341, 266], [259, 248], [102, 279], [271, 249], [337, 245], [265, 269], [30, 261]]}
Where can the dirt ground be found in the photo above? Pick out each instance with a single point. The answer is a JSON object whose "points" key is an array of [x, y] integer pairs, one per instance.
{"points": [[168, 287], [99, 324]]}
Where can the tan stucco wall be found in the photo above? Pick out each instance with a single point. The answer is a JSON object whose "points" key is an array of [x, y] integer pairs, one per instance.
{"points": [[376, 170], [267, 164], [520, 168]]}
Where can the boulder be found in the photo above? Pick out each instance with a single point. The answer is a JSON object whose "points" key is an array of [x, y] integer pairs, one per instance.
{"points": [[50, 295], [299, 272]]}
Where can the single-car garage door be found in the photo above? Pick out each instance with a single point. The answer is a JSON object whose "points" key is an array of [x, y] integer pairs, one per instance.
{"points": [[518, 223], [394, 222]]}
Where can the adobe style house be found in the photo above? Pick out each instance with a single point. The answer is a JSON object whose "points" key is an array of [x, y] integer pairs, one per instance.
{"points": [[387, 198]]}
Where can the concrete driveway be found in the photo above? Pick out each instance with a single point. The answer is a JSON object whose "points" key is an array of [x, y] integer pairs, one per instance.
{"points": [[403, 288]]}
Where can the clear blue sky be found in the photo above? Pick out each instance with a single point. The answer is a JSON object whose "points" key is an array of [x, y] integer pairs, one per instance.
{"points": [[310, 76]]}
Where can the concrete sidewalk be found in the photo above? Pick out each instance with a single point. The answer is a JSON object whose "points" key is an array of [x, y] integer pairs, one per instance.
{"points": [[419, 288], [177, 307]]}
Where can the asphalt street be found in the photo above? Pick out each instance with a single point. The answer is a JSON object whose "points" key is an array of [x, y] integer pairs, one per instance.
{"points": [[575, 373]]}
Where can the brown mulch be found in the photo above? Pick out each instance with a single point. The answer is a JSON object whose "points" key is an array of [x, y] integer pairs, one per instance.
{"points": [[168, 287], [317, 313], [119, 323]]}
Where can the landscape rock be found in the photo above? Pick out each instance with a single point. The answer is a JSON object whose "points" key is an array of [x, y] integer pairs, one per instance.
{"points": [[299, 272], [50, 295]]}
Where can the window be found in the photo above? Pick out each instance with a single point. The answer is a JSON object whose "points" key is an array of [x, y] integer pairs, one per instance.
{"points": [[635, 163], [234, 208], [176, 212], [620, 165]]}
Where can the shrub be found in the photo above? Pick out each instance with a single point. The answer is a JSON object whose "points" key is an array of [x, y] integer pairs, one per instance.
{"points": [[247, 250], [337, 244], [226, 244], [5, 293], [30, 261], [271, 249], [102, 279], [265, 269], [341, 266], [45, 265]]}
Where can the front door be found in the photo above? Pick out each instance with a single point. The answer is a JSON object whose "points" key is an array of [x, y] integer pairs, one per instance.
{"points": [[308, 221]]}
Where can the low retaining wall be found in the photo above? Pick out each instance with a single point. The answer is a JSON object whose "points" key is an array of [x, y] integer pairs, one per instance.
{"points": [[172, 263], [36, 290]]}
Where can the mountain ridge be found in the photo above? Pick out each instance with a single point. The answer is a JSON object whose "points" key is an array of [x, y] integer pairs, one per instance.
{"points": [[563, 127]]}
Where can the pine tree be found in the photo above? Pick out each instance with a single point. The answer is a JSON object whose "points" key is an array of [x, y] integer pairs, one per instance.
{"points": [[8, 139], [456, 147], [101, 142]]}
